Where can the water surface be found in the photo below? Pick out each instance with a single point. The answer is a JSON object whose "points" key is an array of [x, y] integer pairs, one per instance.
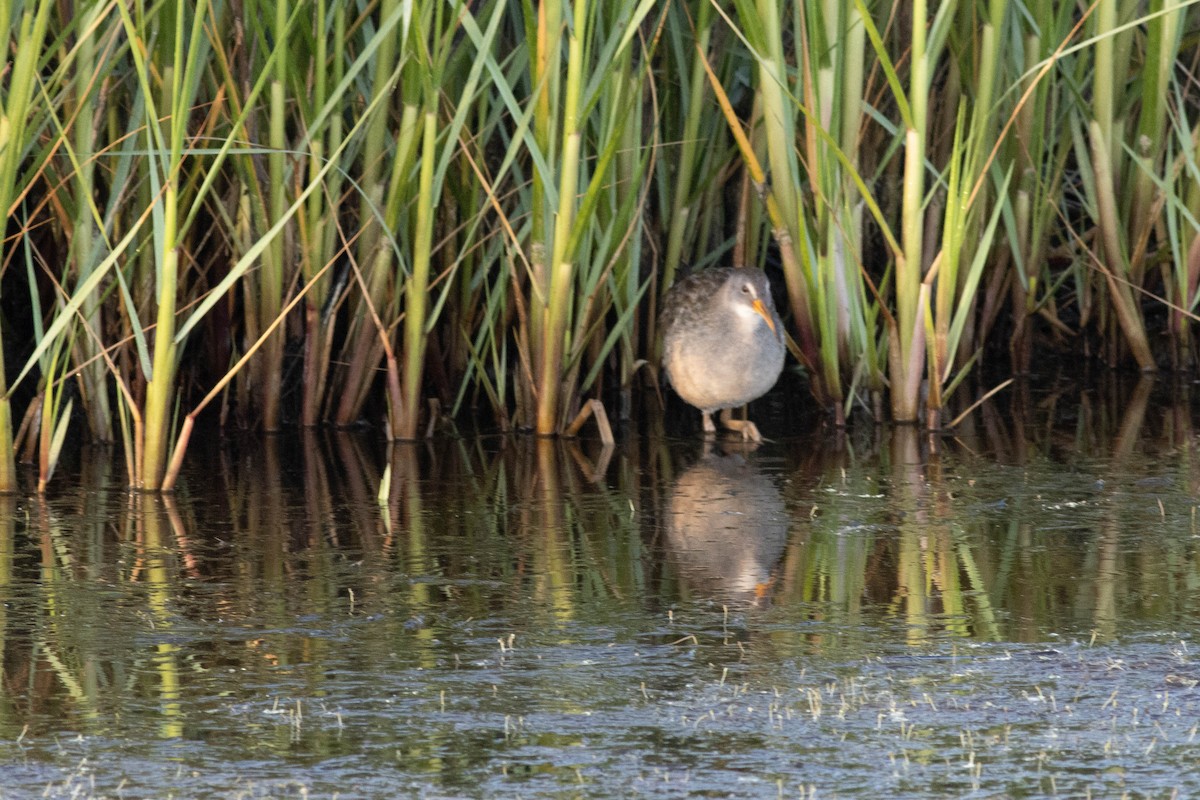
{"points": [[1008, 611]]}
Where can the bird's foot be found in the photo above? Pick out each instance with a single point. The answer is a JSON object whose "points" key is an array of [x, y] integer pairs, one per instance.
{"points": [[747, 428]]}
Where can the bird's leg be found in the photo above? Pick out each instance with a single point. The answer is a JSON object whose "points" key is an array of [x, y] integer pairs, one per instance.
{"points": [[709, 428], [747, 428]]}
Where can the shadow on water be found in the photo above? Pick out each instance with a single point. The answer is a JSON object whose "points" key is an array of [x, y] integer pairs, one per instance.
{"points": [[1007, 611]]}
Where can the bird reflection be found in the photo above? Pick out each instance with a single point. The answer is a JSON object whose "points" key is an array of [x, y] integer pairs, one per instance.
{"points": [[726, 528]]}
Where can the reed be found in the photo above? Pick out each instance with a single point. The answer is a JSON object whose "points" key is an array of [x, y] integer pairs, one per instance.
{"points": [[180, 52], [28, 32], [578, 128], [777, 100], [318, 227], [444, 74], [337, 214], [89, 68]]}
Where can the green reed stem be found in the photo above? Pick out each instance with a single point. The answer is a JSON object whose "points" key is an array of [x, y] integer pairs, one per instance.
{"points": [[373, 254], [30, 33], [691, 147], [417, 285], [271, 272], [561, 269], [906, 373]]}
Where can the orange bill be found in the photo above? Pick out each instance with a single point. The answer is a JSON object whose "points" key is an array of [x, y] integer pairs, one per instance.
{"points": [[762, 309]]}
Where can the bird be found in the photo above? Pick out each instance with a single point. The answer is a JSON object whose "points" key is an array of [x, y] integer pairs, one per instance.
{"points": [[722, 342]]}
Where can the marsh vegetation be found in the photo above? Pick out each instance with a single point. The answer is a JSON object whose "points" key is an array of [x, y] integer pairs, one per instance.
{"points": [[413, 212]]}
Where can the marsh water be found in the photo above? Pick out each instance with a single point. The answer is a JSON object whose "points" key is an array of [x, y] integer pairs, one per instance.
{"points": [[1009, 610]]}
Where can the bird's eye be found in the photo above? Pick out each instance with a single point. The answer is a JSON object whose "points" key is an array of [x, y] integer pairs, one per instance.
{"points": [[745, 288]]}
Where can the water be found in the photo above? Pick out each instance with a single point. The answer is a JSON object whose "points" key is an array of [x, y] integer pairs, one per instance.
{"points": [[1008, 612]]}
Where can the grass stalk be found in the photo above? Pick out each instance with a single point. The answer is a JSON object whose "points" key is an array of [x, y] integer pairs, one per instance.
{"points": [[545, 78], [417, 286], [30, 33], [93, 376], [683, 194], [373, 255], [909, 269], [271, 273], [561, 269], [319, 228], [1119, 273]]}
